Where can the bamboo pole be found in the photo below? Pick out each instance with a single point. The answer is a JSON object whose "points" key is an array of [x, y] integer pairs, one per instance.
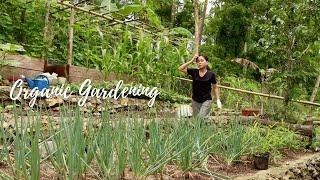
{"points": [[256, 93]]}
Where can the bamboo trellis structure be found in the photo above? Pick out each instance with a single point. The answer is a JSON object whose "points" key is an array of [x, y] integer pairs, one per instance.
{"points": [[106, 16]]}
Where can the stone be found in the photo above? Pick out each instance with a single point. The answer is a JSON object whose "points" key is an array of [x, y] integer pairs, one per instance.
{"points": [[45, 151], [50, 102], [62, 80], [96, 114], [5, 82], [124, 101], [9, 107]]}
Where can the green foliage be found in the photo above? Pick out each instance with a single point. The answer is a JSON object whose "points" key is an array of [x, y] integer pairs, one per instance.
{"points": [[278, 34], [234, 140], [181, 31], [316, 139], [273, 140], [284, 37], [143, 11], [236, 100], [20, 23], [232, 32], [184, 18], [11, 47]]}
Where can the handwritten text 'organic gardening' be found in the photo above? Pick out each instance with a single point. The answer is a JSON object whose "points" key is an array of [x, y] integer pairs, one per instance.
{"points": [[86, 90]]}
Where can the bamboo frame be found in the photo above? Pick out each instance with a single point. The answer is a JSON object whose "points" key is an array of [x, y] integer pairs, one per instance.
{"points": [[117, 21], [256, 93], [104, 17], [117, 12]]}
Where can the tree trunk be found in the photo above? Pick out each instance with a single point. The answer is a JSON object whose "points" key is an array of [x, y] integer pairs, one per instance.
{"points": [[173, 13], [196, 27], [70, 44], [21, 33], [290, 81], [199, 24], [203, 16], [315, 89], [45, 32]]}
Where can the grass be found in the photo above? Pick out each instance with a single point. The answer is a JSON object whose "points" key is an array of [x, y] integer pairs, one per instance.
{"points": [[110, 149], [316, 140]]}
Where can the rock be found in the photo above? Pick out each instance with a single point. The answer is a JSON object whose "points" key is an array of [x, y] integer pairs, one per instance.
{"points": [[5, 82], [307, 170], [62, 80], [99, 108], [47, 148], [95, 101], [117, 106], [89, 105], [5, 125], [96, 114], [50, 102], [84, 109], [9, 108], [124, 101], [54, 82], [73, 99]]}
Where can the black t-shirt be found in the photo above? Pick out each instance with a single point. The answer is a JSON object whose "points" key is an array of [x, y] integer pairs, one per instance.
{"points": [[201, 86]]}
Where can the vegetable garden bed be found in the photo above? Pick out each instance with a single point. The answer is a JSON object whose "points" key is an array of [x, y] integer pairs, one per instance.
{"points": [[75, 145]]}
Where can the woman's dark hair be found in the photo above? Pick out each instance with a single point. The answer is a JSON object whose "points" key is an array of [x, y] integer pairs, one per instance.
{"points": [[205, 57]]}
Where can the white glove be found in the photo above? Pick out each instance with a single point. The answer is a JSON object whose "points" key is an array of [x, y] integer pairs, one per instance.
{"points": [[219, 103]]}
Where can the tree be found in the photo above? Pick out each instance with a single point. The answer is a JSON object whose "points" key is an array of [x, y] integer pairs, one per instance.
{"points": [[229, 27], [285, 34], [184, 18], [199, 23]]}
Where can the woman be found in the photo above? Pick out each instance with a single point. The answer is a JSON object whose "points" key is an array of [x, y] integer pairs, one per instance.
{"points": [[203, 82]]}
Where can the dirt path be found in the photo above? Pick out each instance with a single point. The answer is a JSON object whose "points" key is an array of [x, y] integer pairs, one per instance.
{"points": [[296, 169]]}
